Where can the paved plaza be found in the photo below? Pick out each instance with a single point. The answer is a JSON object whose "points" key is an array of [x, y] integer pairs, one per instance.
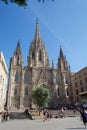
{"points": [[69, 123]]}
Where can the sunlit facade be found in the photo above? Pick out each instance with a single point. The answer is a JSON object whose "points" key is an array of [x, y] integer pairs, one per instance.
{"points": [[38, 72], [3, 81], [79, 85]]}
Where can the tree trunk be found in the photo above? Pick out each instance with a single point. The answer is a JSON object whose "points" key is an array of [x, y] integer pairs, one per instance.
{"points": [[39, 110]]}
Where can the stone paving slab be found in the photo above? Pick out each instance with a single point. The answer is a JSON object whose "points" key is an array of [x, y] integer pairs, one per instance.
{"points": [[69, 123]]}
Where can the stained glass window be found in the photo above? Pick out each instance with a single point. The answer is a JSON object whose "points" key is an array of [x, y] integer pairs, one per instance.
{"points": [[26, 78], [40, 55], [16, 77], [26, 91], [15, 91], [57, 79]]}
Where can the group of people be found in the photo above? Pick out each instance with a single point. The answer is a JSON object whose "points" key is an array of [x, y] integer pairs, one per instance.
{"points": [[4, 116], [47, 115]]}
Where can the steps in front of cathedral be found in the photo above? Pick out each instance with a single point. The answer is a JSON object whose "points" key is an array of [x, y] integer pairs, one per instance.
{"points": [[18, 114]]}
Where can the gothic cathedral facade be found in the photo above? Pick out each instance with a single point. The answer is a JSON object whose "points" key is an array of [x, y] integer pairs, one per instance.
{"points": [[38, 72]]}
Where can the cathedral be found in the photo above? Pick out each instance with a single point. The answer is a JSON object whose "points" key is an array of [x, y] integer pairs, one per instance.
{"points": [[38, 72]]}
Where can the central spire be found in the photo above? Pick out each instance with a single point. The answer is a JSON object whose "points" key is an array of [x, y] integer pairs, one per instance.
{"points": [[37, 53], [37, 33]]}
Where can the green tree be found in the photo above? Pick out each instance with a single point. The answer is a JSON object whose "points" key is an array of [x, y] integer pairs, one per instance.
{"points": [[21, 2], [18, 2], [40, 96]]}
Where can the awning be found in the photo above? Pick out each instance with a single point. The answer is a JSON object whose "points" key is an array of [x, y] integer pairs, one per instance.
{"points": [[83, 93]]}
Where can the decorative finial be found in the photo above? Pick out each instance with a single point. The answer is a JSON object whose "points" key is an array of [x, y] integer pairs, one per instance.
{"points": [[52, 64], [60, 47], [36, 20]]}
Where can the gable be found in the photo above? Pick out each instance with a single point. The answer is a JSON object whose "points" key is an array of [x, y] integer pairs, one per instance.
{"points": [[42, 78]]}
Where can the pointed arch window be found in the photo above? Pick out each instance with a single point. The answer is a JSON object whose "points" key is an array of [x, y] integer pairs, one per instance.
{"points": [[66, 79], [16, 77], [26, 78], [40, 55], [26, 91], [57, 79], [15, 91], [17, 60]]}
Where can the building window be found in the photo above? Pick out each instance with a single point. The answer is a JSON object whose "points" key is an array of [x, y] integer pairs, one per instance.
{"points": [[0, 78], [84, 73], [40, 55], [16, 77], [57, 79], [76, 84], [66, 79], [80, 82], [86, 79], [86, 87], [82, 89], [79, 76], [77, 91], [26, 78], [66, 82], [75, 78], [26, 91], [3, 82], [15, 91], [17, 60]]}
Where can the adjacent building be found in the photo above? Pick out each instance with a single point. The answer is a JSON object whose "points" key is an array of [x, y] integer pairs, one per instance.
{"points": [[3, 81], [79, 85], [38, 72]]}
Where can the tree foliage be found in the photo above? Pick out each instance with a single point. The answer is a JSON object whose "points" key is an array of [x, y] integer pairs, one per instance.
{"points": [[40, 96], [18, 2], [21, 2]]}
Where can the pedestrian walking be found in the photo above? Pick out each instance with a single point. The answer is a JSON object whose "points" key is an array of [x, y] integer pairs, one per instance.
{"points": [[84, 116], [46, 115]]}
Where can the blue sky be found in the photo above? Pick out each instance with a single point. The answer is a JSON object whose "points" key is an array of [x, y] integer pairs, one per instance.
{"points": [[63, 22]]}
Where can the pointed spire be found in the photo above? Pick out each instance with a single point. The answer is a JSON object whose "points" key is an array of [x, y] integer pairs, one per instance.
{"points": [[52, 63], [61, 52], [18, 46], [37, 33], [18, 49]]}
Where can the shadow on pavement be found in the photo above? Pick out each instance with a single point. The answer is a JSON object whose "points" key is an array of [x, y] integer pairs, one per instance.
{"points": [[78, 128]]}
